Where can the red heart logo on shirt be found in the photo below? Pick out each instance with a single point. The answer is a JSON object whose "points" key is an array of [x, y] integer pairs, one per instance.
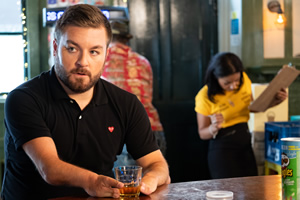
{"points": [[111, 128]]}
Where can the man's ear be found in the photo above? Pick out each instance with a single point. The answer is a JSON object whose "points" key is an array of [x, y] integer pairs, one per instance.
{"points": [[55, 47], [107, 52]]}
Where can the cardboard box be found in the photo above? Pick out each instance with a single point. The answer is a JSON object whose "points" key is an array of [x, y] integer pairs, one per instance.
{"points": [[257, 121]]}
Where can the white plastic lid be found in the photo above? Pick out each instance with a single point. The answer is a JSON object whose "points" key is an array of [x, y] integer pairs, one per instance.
{"points": [[219, 194]]}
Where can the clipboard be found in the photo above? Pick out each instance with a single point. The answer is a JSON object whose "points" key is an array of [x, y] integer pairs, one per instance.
{"points": [[282, 80]]}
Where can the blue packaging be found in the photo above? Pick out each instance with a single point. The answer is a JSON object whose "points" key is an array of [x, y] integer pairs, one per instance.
{"points": [[274, 131]]}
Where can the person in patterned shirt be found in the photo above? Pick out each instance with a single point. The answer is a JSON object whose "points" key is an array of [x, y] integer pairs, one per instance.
{"points": [[132, 72]]}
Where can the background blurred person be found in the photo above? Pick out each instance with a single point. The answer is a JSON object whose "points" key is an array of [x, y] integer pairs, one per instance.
{"points": [[222, 116]]}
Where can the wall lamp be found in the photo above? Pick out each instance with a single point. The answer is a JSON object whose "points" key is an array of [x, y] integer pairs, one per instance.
{"points": [[274, 6]]}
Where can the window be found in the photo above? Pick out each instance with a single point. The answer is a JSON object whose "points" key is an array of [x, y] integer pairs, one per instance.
{"points": [[12, 43]]}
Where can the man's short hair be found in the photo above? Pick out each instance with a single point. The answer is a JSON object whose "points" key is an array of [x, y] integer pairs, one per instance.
{"points": [[82, 15]]}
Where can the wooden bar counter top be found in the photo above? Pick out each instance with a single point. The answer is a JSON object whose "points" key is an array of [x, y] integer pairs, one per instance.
{"points": [[245, 188]]}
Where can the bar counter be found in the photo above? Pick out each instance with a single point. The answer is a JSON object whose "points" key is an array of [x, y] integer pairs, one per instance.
{"points": [[245, 188]]}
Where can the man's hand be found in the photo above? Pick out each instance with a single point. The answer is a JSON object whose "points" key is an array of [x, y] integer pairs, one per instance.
{"points": [[149, 184], [104, 186], [155, 170]]}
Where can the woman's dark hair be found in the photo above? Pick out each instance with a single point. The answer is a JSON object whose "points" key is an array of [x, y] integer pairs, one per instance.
{"points": [[222, 65]]}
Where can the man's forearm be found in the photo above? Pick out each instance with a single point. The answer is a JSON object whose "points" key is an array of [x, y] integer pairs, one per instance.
{"points": [[158, 170], [63, 173]]}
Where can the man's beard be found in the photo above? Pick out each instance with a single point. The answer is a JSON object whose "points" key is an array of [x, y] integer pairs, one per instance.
{"points": [[76, 86]]}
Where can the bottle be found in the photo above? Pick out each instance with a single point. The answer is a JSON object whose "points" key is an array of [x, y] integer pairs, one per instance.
{"points": [[51, 3], [73, 2], [91, 2], [99, 2], [62, 3]]}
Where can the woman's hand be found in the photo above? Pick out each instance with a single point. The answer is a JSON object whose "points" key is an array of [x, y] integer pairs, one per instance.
{"points": [[216, 124], [209, 125], [280, 96], [216, 120]]}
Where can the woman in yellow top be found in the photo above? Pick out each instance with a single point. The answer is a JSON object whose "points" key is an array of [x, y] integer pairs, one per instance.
{"points": [[222, 116]]}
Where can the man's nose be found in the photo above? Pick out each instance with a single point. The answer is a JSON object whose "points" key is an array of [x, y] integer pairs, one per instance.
{"points": [[83, 59]]}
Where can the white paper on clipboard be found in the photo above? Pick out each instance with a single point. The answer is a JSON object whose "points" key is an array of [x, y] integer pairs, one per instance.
{"points": [[282, 80]]}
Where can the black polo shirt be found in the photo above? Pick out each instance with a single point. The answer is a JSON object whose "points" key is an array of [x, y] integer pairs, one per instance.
{"points": [[89, 138]]}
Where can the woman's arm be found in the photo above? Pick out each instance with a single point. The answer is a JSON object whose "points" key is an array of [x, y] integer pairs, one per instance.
{"points": [[279, 97]]}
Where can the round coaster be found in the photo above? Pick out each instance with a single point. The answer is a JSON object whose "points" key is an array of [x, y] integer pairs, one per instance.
{"points": [[219, 194]]}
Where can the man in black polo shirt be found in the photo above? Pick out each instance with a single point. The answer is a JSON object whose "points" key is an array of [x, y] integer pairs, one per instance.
{"points": [[65, 127]]}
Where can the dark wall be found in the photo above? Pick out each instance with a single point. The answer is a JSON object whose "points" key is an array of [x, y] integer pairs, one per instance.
{"points": [[178, 38]]}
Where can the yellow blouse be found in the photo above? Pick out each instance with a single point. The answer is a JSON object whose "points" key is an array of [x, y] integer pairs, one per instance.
{"points": [[233, 105]]}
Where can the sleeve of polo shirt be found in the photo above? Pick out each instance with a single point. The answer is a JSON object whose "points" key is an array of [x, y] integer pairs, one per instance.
{"points": [[23, 117], [139, 138], [202, 103]]}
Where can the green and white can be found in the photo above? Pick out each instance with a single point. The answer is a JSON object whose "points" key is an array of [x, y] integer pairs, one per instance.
{"points": [[290, 168]]}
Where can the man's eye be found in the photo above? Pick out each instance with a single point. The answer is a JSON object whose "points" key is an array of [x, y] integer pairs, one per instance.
{"points": [[71, 49], [94, 52]]}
